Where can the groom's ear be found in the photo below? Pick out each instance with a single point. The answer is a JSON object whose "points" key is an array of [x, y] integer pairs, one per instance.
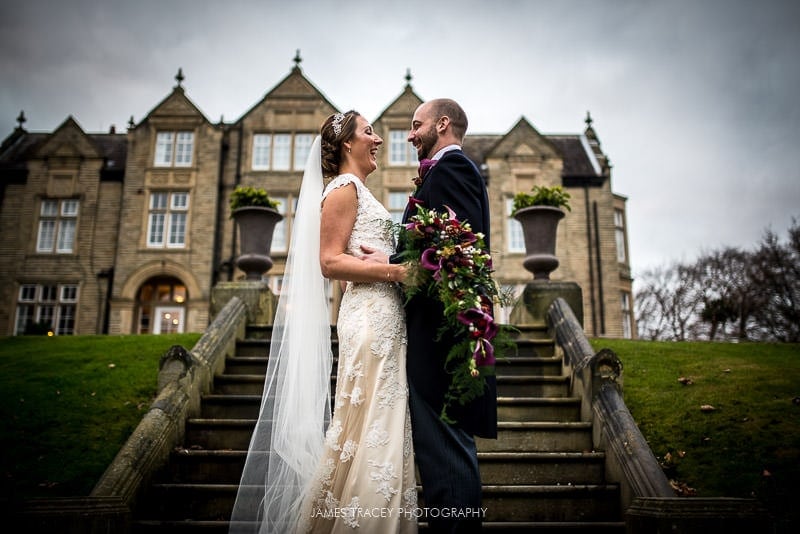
{"points": [[442, 124]]}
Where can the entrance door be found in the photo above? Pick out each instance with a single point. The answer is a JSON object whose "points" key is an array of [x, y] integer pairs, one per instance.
{"points": [[168, 320]]}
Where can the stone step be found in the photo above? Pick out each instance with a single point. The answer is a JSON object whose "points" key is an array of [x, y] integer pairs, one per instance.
{"points": [[507, 386], [218, 434], [246, 365], [215, 406], [531, 468], [255, 362], [533, 386], [225, 467], [540, 348], [539, 437], [509, 409], [539, 527], [503, 503], [542, 409], [234, 434], [565, 502], [529, 365]]}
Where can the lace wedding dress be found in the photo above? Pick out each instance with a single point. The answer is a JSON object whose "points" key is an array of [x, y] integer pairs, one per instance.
{"points": [[366, 479]]}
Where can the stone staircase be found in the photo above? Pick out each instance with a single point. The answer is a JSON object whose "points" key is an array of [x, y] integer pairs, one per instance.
{"points": [[540, 475]]}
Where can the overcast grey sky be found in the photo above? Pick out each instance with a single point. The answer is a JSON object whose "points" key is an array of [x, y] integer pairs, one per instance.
{"points": [[695, 101]]}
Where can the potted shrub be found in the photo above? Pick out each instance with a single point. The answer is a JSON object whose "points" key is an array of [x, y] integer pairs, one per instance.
{"points": [[539, 213], [256, 215]]}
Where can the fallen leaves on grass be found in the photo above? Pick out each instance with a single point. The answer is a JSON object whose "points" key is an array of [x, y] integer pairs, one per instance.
{"points": [[682, 489]]}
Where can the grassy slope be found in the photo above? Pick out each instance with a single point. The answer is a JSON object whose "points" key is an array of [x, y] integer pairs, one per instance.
{"points": [[68, 403], [749, 444]]}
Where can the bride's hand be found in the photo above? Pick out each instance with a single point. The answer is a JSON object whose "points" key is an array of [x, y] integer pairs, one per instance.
{"points": [[373, 255]]}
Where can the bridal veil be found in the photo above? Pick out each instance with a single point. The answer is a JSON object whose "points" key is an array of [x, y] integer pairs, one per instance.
{"points": [[295, 409]]}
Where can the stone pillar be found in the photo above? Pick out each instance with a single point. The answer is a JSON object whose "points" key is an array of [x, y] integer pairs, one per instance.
{"points": [[531, 308], [260, 301]]}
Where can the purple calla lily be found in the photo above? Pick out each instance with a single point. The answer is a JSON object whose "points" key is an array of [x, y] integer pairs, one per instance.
{"points": [[484, 353]]}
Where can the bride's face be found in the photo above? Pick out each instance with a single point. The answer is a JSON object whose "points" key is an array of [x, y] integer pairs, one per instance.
{"points": [[364, 146]]}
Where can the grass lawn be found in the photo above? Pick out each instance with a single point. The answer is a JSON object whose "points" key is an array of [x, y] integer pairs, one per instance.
{"points": [[68, 403], [746, 442]]}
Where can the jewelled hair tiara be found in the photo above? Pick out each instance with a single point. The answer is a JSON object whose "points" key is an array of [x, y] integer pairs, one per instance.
{"points": [[338, 119]]}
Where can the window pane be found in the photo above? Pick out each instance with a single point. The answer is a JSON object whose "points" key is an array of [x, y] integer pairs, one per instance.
{"points": [[49, 294], [280, 238], [183, 149], [66, 320], [164, 148], [398, 148], [46, 314], [412, 154], [69, 293], [177, 229], [302, 146], [49, 208], [155, 231], [620, 236], [24, 318], [281, 152], [66, 235], [516, 239], [27, 293], [180, 201], [261, 148], [158, 201], [627, 329], [47, 236], [397, 205], [69, 208]]}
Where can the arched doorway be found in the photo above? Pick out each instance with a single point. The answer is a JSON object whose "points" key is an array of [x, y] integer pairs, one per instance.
{"points": [[161, 306]]}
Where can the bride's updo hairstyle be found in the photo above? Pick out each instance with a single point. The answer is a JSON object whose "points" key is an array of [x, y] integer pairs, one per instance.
{"points": [[336, 129]]}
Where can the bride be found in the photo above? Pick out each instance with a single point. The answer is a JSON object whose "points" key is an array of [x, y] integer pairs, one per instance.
{"points": [[308, 471]]}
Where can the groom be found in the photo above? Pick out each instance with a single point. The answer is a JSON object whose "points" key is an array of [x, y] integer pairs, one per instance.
{"points": [[445, 454]]}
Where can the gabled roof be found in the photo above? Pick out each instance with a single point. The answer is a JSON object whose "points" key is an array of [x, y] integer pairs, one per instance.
{"points": [[294, 85], [580, 161], [404, 105], [175, 104], [22, 146]]}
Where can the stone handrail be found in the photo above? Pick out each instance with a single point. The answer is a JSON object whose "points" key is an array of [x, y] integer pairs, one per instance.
{"points": [[163, 427], [648, 502], [183, 377], [597, 379]]}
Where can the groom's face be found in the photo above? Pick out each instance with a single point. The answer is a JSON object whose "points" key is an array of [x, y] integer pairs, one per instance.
{"points": [[423, 132]]}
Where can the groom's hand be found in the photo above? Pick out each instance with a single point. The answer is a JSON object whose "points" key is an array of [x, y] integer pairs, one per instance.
{"points": [[376, 256]]}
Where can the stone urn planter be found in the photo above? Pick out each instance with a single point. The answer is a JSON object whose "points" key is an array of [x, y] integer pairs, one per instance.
{"points": [[539, 226], [255, 215], [539, 213], [256, 226]]}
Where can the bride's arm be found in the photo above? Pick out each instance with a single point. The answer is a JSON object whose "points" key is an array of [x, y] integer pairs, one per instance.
{"points": [[337, 219]]}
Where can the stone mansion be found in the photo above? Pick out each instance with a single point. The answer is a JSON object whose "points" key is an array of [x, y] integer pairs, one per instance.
{"points": [[127, 233]]}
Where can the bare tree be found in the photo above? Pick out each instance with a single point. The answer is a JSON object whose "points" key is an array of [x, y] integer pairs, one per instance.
{"points": [[727, 292], [667, 304], [757, 293], [776, 269]]}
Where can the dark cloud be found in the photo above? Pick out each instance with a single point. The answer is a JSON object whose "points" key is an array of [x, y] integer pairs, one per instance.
{"points": [[694, 101]]}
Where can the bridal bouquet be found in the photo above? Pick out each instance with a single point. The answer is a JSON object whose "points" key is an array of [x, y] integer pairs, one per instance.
{"points": [[449, 262]]}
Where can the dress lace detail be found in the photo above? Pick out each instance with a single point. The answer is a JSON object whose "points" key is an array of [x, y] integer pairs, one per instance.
{"points": [[366, 481]]}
